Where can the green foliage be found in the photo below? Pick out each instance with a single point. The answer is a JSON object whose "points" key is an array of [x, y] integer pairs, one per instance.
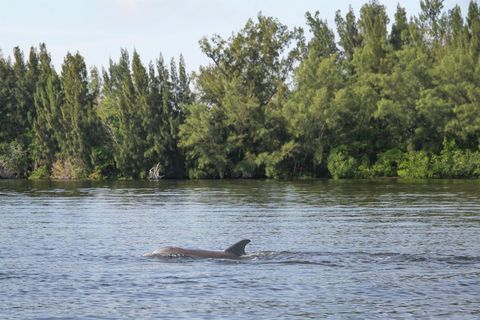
{"points": [[347, 29], [48, 99], [68, 169], [245, 168], [401, 88], [13, 160], [310, 112], [415, 165], [387, 163], [141, 115], [341, 164], [453, 162], [40, 173], [240, 94], [373, 102], [103, 164], [284, 163], [203, 137], [364, 169], [400, 31], [77, 119], [373, 25], [430, 20]]}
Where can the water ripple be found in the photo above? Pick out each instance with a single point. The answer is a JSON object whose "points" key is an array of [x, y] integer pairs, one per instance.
{"points": [[320, 249]]}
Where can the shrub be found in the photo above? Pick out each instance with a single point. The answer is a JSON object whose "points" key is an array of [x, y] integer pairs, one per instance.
{"points": [[103, 164], [245, 169], [415, 165], [96, 175], [452, 162], [340, 164], [13, 160], [68, 169], [279, 164], [364, 169], [387, 163], [40, 173], [475, 159]]}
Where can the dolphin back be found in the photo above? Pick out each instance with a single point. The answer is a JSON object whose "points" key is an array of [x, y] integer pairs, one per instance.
{"points": [[238, 248]]}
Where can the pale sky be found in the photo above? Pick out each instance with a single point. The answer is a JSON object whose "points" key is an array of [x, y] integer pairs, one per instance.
{"points": [[99, 28]]}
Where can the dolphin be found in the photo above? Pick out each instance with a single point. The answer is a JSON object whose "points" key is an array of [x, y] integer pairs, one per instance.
{"points": [[232, 252]]}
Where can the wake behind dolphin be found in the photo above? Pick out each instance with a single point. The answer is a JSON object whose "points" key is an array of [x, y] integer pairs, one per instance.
{"points": [[233, 252]]}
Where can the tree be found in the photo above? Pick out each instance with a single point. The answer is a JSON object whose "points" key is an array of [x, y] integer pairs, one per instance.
{"points": [[48, 102], [473, 26], [31, 79], [400, 91], [399, 35], [204, 137], [373, 27], [268, 105], [141, 113], [323, 41], [23, 95], [347, 29], [8, 105], [76, 122], [429, 20], [249, 70], [309, 112], [259, 56], [114, 111], [458, 35], [185, 95]]}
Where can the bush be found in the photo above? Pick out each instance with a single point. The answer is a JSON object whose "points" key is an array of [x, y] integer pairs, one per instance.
{"points": [[340, 164], [13, 160], [103, 164], [96, 175], [475, 158], [387, 163], [364, 169], [245, 169], [279, 164], [415, 165], [195, 173], [466, 164], [452, 162], [40, 173], [68, 169]]}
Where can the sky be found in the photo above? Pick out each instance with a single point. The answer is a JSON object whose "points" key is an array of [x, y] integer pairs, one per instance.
{"points": [[98, 29]]}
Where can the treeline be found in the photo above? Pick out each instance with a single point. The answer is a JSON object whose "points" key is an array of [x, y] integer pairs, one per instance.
{"points": [[384, 99]]}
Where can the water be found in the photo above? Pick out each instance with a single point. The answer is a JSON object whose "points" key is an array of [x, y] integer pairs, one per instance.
{"points": [[320, 249]]}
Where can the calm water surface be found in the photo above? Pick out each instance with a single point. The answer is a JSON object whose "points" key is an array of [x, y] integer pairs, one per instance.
{"points": [[320, 249]]}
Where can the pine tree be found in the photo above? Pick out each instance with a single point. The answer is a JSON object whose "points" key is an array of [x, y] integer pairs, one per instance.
{"points": [[185, 95], [347, 29], [48, 102], [75, 121], [32, 74], [399, 34], [120, 104], [473, 24], [8, 103], [23, 96], [430, 20], [373, 26], [458, 36]]}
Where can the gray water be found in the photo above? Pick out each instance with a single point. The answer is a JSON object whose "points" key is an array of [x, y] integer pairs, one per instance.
{"points": [[320, 249]]}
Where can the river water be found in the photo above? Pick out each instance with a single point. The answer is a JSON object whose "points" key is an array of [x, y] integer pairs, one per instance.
{"points": [[319, 250]]}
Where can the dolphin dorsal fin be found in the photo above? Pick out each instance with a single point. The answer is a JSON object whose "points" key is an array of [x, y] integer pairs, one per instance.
{"points": [[238, 248]]}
